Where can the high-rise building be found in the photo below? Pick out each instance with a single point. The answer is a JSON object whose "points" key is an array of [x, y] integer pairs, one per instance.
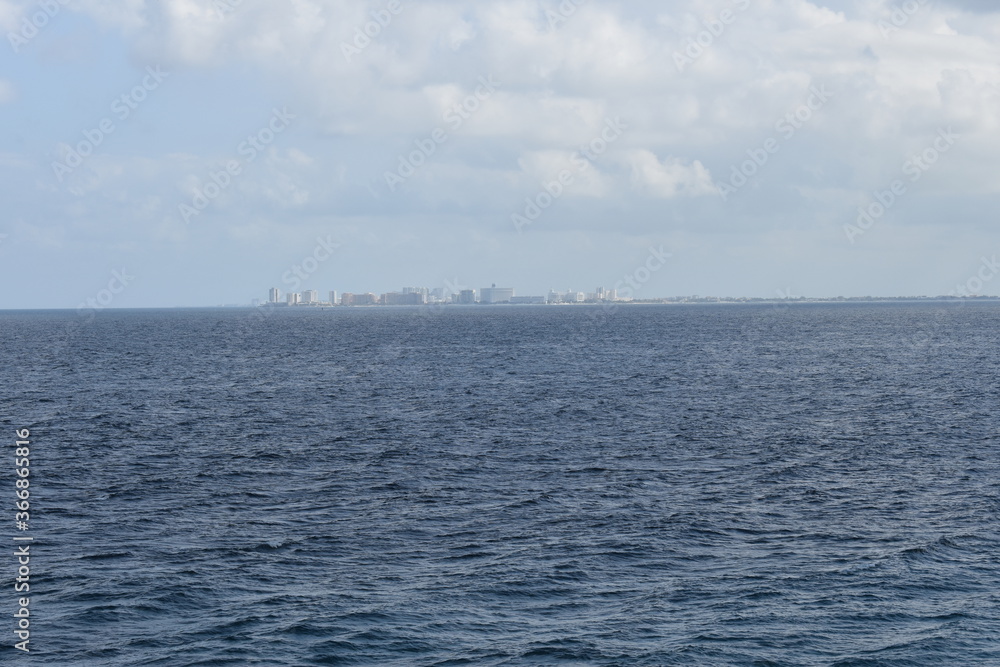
{"points": [[403, 299], [496, 294], [349, 299], [333, 297], [422, 292], [293, 298], [467, 296], [274, 295], [310, 296]]}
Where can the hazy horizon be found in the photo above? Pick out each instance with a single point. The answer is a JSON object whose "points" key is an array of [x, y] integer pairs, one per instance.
{"points": [[207, 149]]}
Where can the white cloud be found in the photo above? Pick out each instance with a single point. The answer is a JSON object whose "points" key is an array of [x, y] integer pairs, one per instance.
{"points": [[670, 177], [561, 82]]}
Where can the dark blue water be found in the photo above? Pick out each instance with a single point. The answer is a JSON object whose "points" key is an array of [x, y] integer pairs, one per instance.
{"points": [[724, 485]]}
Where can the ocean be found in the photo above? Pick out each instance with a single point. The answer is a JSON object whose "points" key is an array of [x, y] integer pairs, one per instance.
{"points": [[805, 484]]}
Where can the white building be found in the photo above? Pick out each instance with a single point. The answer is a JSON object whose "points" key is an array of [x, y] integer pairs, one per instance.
{"points": [[423, 292], [293, 298], [496, 294], [274, 295], [333, 296], [310, 296]]}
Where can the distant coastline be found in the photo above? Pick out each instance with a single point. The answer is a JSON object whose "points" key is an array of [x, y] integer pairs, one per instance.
{"points": [[667, 301]]}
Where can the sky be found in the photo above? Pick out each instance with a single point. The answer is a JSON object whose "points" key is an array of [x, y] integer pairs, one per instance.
{"points": [[160, 153]]}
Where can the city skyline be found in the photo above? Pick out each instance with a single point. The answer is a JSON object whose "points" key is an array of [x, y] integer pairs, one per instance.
{"points": [[413, 296]]}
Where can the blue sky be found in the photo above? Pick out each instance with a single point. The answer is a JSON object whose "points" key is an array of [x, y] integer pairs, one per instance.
{"points": [[740, 136]]}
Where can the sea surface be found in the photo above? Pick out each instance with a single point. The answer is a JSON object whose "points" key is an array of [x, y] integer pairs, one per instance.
{"points": [[638, 485]]}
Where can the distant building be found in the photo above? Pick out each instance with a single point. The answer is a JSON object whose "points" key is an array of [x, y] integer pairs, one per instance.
{"points": [[310, 296], [467, 296], [496, 294], [274, 295], [293, 298], [349, 299], [417, 290], [333, 296], [419, 293], [403, 299], [524, 300]]}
